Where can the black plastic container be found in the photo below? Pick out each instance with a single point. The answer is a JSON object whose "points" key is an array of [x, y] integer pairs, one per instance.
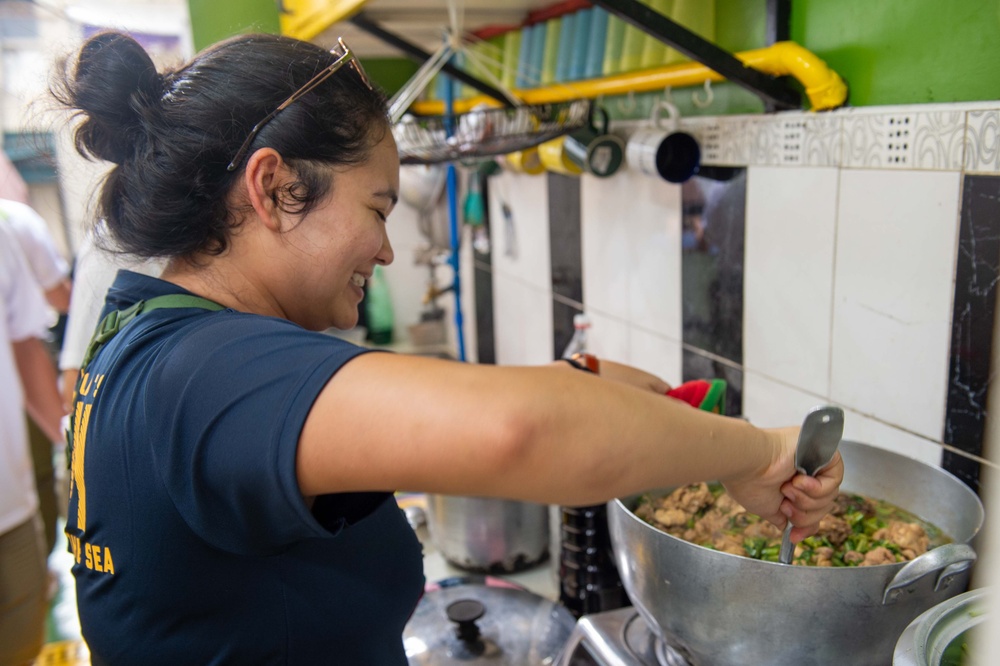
{"points": [[588, 578]]}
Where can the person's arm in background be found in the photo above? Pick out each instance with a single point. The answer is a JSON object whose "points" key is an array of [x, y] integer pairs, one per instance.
{"points": [[41, 393], [47, 266], [58, 296]]}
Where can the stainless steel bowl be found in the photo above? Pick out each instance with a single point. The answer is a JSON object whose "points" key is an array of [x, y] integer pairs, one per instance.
{"points": [[927, 638]]}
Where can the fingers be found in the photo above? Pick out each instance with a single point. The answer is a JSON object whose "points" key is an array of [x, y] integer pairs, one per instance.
{"points": [[633, 376], [808, 499]]}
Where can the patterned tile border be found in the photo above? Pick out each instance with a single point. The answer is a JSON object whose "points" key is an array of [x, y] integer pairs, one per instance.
{"points": [[933, 138], [982, 141]]}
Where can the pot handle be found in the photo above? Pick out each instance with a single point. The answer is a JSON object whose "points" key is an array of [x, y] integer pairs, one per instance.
{"points": [[951, 559]]}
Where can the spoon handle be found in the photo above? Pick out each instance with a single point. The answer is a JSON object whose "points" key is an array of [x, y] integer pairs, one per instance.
{"points": [[785, 554]]}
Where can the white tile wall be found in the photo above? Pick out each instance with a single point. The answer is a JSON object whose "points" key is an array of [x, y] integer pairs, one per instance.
{"points": [[521, 248], [860, 428], [771, 404], [851, 236], [788, 277], [605, 217], [522, 319], [893, 290], [631, 251], [656, 354], [608, 337]]}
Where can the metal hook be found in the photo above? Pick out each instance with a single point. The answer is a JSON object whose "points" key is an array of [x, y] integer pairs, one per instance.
{"points": [[631, 103], [702, 103], [668, 95]]}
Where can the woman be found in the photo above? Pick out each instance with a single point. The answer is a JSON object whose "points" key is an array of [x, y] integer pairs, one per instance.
{"points": [[233, 467]]}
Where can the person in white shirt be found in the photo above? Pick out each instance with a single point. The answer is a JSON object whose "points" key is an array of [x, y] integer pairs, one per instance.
{"points": [[51, 272], [29, 383], [46, 264]]}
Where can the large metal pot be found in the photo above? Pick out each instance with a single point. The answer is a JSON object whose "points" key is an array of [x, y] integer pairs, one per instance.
{"points": [[721, 609], [488, 535]]}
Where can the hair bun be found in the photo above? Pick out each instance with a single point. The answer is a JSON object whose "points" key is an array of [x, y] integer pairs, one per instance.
{"points": [[116, 87]]}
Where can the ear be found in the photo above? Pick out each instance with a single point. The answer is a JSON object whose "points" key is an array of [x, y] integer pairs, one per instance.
{"points": [[266, 173]]}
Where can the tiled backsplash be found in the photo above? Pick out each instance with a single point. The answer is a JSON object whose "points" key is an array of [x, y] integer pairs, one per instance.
{"points": [[851, 257]]}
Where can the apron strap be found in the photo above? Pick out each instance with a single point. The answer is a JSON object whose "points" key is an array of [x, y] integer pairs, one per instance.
{"points": [[117, 320]]}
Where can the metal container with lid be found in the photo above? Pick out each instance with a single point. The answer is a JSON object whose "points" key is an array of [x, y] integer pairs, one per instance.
{"points": [[487, 534], [478, 620], [929, 639]]}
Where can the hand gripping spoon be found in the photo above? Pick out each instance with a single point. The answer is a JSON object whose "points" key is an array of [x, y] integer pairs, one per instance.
{"points": [[821, 432]]}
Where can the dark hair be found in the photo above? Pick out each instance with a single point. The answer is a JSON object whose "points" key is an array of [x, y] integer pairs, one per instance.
{"points": [[173, 135]]}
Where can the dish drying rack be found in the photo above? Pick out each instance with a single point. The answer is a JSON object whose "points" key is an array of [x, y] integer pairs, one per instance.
{"points": [[486, 132], [482, 132]]}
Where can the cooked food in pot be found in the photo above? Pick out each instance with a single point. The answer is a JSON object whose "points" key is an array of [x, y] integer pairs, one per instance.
{"points": [[860, 531]]}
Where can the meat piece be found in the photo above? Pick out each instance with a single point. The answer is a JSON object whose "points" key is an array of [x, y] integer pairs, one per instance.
{"points": [[845, 503], [762, 529], [730, 544], [880, 555], [910, 537], [824, 556], [853, 557], [833, 528], [728, 505], [670, 517], [691, 499]]}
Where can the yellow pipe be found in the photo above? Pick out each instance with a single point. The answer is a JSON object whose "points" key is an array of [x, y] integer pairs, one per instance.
{"points": [[824, 87]]}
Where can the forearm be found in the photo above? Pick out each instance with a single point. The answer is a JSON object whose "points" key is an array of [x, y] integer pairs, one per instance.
{"points": [[41, 393], [602, 440], [545, 434]]}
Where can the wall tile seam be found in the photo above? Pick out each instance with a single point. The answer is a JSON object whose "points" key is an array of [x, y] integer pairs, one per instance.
{"points": [[826, 399], [517, 277]]}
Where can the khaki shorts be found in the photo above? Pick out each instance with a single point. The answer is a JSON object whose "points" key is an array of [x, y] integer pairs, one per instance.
{"points": [[23, 587]]}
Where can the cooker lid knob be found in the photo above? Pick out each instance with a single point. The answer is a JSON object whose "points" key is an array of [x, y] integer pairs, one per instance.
{"points": [[464, 613]]}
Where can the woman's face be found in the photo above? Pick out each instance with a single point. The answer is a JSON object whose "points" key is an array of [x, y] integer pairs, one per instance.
{"points": [[334, 249]]}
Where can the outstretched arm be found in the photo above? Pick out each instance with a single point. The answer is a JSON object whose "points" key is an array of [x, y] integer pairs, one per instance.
{"points": [[546, 434]]}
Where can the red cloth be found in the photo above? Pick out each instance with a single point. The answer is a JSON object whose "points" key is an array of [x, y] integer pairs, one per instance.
{"points": [[692, 392]]}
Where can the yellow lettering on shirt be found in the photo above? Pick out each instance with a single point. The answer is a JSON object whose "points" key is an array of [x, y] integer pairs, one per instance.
{"points": [[98, 558], [93, 556], [74, 544], [80, 422], [85, 385]]}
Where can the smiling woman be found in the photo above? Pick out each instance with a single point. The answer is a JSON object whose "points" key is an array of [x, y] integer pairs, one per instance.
{"points": [[233, 467]]}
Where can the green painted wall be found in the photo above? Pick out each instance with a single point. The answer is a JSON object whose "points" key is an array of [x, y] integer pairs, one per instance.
{"points": [[214, 20], [889, 51], [905, 51]]}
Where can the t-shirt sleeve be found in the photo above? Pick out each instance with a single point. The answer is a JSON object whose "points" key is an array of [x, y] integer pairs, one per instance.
{"points": [[27, 314], [233, 397], [46, 263]]}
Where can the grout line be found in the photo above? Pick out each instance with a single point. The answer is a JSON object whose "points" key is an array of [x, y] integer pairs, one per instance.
{"points": [[833, 286]]}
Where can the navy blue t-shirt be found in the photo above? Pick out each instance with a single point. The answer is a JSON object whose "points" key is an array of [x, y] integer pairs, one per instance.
{"points": [[192, 541]]}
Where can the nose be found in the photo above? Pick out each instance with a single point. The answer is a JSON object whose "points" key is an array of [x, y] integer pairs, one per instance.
{"points": [[385, 254]]}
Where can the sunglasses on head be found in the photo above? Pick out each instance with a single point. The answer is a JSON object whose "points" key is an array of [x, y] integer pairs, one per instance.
{"points": [[344, 56]]}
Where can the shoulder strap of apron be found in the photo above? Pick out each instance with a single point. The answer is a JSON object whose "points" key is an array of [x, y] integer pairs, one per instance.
{"points": [[115, 322]]}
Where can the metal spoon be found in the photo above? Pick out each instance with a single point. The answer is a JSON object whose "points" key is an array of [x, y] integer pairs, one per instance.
{"points": [[821, 432]]}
